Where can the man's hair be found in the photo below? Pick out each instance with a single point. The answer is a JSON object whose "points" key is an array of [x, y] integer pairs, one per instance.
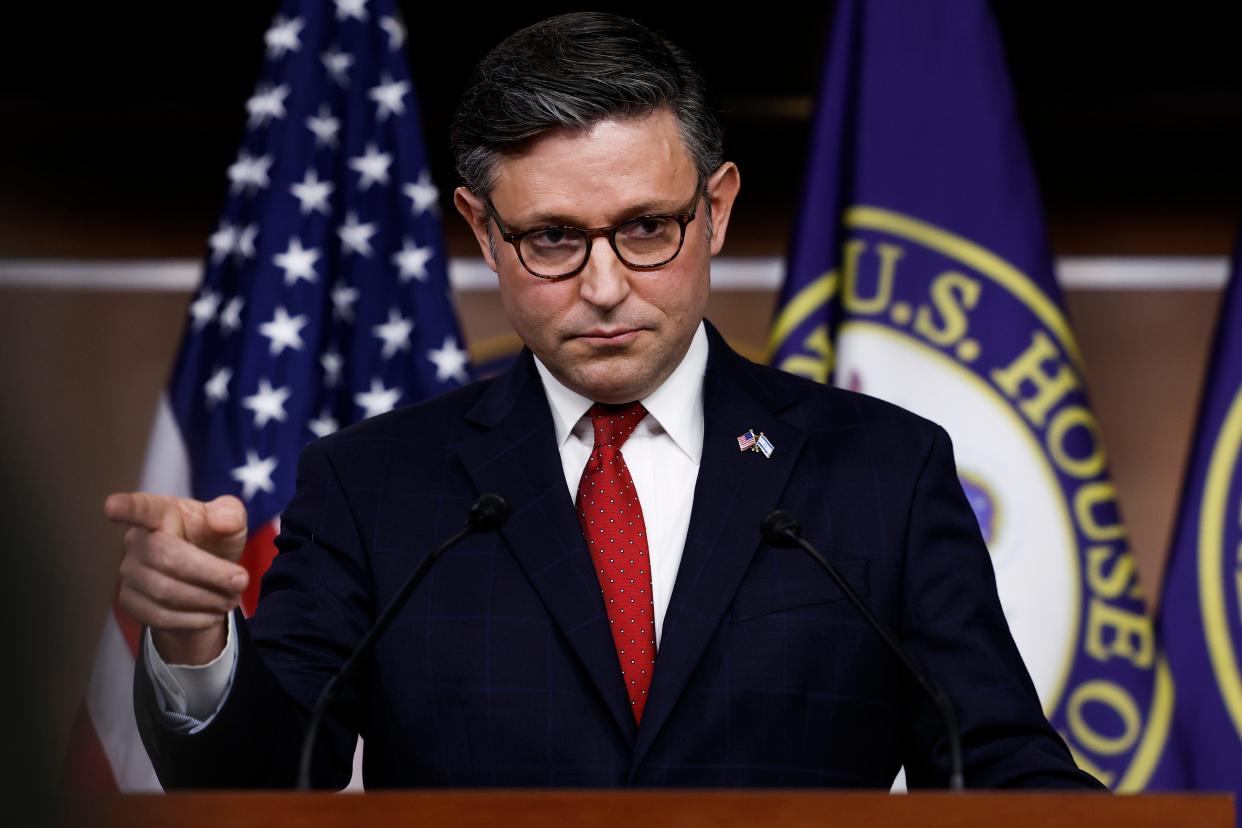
{"points": [[571, 72]]}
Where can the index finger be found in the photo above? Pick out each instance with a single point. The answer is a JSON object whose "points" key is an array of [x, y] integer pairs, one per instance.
{"points": [[152, 512]]}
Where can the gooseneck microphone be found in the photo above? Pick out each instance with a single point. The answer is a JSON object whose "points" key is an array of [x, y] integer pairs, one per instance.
{"points": [[487, 514], [781, 529]]}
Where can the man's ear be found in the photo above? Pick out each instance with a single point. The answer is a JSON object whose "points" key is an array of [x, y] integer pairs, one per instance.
{"points": [[722, 188], [476, 214]]}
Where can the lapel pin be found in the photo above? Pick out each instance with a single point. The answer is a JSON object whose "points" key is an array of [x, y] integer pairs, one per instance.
{"points": [[755, 442]]}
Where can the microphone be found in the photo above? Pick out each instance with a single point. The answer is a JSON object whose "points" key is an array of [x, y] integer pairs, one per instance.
{"points": [[781, 529], [487, 514]]}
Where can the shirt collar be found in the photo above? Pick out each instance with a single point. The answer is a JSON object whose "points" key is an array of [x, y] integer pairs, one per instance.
{"points": [[677, 405]]}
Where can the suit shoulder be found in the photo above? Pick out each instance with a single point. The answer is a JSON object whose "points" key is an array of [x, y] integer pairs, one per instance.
{"points": [[438, 416], [826, 406]]}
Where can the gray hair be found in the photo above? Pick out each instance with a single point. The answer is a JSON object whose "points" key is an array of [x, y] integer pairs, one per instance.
{"points": [[571, 72]]}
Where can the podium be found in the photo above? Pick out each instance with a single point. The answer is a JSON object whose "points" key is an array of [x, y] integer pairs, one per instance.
{"points": [[650, 809]]}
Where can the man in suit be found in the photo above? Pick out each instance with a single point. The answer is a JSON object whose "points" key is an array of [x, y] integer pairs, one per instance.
{"points": [[627, 626]]}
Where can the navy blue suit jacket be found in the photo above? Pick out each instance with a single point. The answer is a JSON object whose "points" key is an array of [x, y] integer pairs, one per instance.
{"points": [[501, 669]]}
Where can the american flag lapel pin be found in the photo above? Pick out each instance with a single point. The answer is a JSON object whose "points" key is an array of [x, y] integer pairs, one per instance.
{"points": [[755, 441]]}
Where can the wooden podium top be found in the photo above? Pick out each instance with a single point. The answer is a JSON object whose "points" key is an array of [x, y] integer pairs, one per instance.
{"points": [[650, 809]]}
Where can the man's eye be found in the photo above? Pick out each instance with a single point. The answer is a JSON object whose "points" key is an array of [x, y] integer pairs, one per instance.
{"points": [[551, 237], [646, 228]]}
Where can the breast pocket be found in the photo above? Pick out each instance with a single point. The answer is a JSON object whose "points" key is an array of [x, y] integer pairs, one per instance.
{"points": [[785, 579]]}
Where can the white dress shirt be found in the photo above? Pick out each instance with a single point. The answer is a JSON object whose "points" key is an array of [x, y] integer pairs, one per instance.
{"points": [[662, 454]]}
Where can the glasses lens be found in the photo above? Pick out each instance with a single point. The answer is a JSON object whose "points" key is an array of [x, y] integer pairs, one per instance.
{"points": [[554, 251], [649, 241]]}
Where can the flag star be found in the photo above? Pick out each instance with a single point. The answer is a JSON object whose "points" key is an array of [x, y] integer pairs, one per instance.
{"points": [[256, 475], [422, 193], [284, 331], [396, 32], [203, 309], [282, 37], [297, 263], [343, 298], [356, 237], [324, 424], [249, 173], [221, 242], [395, 333], [267, 103], [450, 361], [217, 388], [332, 364], [337, 63], [324, 126], [372, 167], [230, 317], [387, 96], [378, 400], [412, 260], [267, 404], [357, 9], [312, 193], [243, 245]]}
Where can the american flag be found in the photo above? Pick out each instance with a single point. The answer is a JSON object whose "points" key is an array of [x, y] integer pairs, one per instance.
{"points": [[324, 301], [746, 440]]}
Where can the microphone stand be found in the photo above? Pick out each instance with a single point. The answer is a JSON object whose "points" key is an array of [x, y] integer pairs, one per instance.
{"points": [[781, 529], [487, 514]]}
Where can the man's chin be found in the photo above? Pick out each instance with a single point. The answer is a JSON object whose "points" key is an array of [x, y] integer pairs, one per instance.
{"points": [[615, 380]]}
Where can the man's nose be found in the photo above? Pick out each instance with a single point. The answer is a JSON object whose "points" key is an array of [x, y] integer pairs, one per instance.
{"points": [[605, 281]]}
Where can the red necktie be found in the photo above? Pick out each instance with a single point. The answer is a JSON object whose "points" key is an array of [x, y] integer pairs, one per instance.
{"points": [[612, 522]]}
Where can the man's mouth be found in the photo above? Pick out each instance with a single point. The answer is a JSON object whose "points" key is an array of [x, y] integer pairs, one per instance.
{"points": [[610, 336]]}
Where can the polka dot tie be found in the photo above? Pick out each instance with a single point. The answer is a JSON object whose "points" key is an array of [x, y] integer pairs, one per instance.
{"points": [[612, 522]]}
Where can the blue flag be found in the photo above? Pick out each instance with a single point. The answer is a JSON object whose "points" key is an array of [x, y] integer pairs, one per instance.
{"points": [[1200, 620], [325, 298], [920, 273]]}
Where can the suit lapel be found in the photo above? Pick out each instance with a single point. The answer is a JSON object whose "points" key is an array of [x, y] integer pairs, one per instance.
{"points": [[735, 489], [517, 457]]}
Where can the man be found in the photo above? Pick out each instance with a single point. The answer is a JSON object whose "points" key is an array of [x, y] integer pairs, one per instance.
{"points": [[627, 626]]}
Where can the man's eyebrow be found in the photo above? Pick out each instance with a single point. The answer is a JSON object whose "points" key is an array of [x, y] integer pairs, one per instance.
{"points": [[551, 219]]}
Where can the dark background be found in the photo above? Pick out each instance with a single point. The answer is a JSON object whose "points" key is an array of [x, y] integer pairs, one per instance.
{"points": [[119, 121]]}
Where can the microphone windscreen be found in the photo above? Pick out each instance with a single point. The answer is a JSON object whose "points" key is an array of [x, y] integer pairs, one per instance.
{"points": [[780, 529], [488, 513]]}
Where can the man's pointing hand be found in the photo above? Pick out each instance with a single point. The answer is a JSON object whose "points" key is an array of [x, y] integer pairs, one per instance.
{"points": [[179, 574]]}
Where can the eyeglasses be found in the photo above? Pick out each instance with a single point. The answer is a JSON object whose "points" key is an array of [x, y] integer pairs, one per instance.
{"points": [[642, 243]]}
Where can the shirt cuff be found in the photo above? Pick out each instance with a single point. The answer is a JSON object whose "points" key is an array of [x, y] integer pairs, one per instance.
{"points": [[190, 696]]}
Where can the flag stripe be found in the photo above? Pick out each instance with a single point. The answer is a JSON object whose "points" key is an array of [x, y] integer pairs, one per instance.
{"points": [[129, 629], [259, 551], [166, 468], [87, 769], [110, 701], [104, 752]]}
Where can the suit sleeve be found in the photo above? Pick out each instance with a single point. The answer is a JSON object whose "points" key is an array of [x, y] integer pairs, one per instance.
{"points": [[315, 605], [954, 627]]}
